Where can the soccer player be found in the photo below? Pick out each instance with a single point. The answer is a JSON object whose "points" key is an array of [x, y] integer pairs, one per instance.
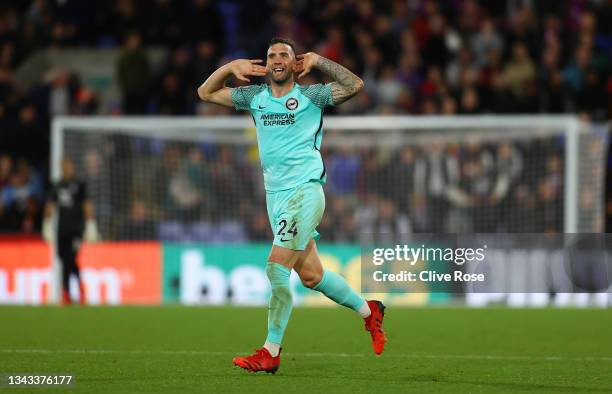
{"points": [[289, 122], [75, 221]]}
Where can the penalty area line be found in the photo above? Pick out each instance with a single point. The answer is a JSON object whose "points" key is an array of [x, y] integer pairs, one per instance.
{"points": [[336, 355]]}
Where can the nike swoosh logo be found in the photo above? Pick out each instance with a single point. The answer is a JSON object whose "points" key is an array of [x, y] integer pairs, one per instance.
{"points": [[285, 240], [260, 107]]}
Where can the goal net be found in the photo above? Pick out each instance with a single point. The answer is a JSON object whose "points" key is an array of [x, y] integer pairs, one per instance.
{"points": [[199, 180]]}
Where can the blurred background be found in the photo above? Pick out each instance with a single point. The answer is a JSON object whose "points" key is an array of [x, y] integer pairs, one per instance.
{"points": [[417, 57]]}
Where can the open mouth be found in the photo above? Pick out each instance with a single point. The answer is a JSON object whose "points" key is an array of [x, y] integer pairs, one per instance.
{"points": [[278, 70]]}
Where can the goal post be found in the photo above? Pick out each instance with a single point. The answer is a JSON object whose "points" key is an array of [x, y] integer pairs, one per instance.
{"points": [[197, 179], [365, 130]]}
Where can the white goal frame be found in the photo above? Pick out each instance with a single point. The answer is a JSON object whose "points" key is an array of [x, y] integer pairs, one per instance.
{"points": [[152, 126], [211, 128]]}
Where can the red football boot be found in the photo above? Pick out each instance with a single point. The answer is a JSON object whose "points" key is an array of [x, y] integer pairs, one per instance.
{"points": [[262, 360], [66, 300], [373, 324], [82, 298]]}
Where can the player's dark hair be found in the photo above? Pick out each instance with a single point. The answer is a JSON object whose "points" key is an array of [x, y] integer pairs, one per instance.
{"points": [[281, 40]]}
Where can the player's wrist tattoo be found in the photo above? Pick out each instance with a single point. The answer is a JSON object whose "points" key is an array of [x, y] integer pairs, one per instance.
{"points": [[345, 85]]}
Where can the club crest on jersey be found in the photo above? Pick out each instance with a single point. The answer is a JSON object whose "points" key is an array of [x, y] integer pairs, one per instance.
{"points": [[291, 104]]}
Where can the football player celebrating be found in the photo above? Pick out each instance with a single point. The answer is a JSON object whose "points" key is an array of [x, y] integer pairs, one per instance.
{"points": [[289, 123]]}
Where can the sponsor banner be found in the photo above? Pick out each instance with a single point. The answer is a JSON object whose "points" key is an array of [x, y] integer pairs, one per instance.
{"points": [[113, 273], [519, 270], [218, 274], [121, 272], [489, 263], [25, 272]]}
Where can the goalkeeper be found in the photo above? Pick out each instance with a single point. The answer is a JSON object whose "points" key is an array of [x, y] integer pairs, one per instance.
{"points": [[289, 123], [75, 221]]}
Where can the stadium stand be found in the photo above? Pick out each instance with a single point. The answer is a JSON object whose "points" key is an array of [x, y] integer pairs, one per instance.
{"points": [[416, 57]]}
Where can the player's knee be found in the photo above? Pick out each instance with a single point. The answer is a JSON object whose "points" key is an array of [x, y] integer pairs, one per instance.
{"points": [[311, 279], [283, 256], [277, 274]]}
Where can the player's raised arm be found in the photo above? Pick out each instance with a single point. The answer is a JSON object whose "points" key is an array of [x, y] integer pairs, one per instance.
{"points": [[345, 85], [213, 90]]}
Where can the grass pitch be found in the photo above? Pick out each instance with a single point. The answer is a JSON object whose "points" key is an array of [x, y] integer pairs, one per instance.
{"points": [[189, 349]]}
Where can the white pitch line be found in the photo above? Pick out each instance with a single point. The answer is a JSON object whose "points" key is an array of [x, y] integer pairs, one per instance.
{"points": [[336, 355]]}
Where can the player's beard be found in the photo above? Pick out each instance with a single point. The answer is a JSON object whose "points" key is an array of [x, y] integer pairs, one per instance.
{"points": [[282, 79]]}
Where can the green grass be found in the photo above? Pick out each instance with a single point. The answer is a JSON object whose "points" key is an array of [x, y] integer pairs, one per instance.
{"points": [[180, 349]]}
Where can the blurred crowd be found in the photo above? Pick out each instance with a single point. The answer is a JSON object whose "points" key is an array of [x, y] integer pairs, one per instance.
{"points": [[213, 192], [445, 188], [416, 57]]}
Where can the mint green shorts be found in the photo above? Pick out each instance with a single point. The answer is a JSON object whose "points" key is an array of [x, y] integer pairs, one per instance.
{"points": [[295, 213]]}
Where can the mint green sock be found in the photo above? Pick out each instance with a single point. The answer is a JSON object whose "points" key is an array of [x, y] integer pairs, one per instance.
{"points": [[337, 289], [281, 302]]}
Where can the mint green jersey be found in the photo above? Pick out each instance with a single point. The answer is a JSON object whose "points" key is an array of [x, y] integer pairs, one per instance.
{"points": [[289, 132]]}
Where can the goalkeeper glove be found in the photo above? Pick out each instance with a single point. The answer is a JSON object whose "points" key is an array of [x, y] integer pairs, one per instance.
{"points": [[91, 233], [47, 230]]}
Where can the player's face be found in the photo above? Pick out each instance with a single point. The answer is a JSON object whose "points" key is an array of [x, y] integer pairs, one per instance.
{"points": [[280, 63]]}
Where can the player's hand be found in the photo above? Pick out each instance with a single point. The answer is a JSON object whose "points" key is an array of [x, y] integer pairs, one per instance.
{"points": [[243, 68], [48, 232], [91, 233], [305, 63]]}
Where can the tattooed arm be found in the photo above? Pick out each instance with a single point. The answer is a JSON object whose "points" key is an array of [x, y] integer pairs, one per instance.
{"points": [[345, 85]]}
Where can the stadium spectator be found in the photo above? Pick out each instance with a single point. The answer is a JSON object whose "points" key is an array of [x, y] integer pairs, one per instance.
{"points": [[175, 94], [456, 69], [408, 71], [508, 169], [204, 22], [33, 138], [549, 207], [434, 183], [205, 59], [343, 170], [388, 87], [436, 51], [189, 187], [522, 29], [20, 198], [228, 174], [126, 22], [407, 175], [470, 102], [518, 72], [339, 221], [592, 98], [164, 24], [171, 99], [486, 40], [386, 225], [140, 225], [6, 167], [133, 74]]}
